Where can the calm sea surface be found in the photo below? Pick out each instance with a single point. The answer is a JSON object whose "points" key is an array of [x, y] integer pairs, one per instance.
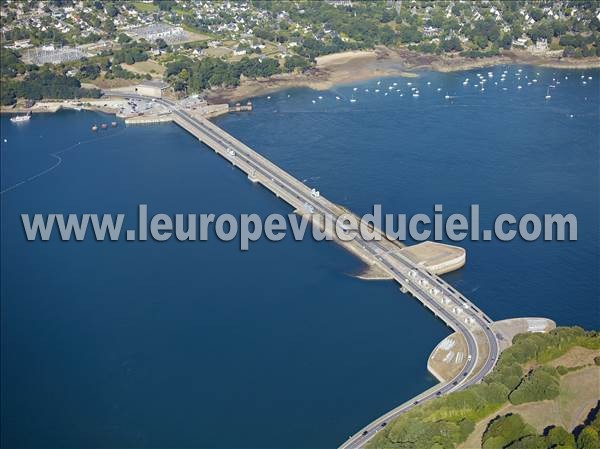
{"points": [[147, 344]]}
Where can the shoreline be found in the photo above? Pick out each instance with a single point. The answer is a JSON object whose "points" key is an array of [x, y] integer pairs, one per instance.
{"points": [[342, 68], [353, 66]]}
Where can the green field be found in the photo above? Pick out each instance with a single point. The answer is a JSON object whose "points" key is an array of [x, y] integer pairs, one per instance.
{"points": [[145, 7]]}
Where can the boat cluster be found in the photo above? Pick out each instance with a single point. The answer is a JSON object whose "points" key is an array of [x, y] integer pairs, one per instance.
{"points": [[480, 81], [103, 126]]}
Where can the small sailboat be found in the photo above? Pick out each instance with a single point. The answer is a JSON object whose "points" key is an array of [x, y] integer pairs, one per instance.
{"points": [[352, 100], [94, 128], [104, 126], [113, 124], [548, 96]]}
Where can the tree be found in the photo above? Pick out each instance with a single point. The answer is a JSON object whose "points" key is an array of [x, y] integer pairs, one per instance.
{"points": [[559, 437], [588, 439], [452, 44], [505, 41], [123, 38], [504, 430], [410, 34], [295, 62], [161, 43], [540, 384]]}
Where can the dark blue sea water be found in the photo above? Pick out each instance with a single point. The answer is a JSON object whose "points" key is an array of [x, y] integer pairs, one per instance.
{"points": [[150, 344]]}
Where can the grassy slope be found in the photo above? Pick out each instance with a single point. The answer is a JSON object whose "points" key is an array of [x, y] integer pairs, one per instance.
{"points": [[450, 420]]}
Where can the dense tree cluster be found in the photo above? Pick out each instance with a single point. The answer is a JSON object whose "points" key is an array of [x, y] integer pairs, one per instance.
{"points": [[10, 64], [511, 432], [45, 84], [196, 75], [131, 53], [542, 383], [448, 420]]}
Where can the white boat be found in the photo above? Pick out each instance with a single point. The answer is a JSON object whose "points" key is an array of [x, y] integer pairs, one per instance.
{"points": [[337, 98], [352, 100], [355, 89], [548, 96], [415, 95], [21, 118], [447, 97]]}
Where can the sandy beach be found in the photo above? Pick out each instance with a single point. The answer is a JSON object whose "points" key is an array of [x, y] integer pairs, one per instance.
{"points": [[353, 66]]}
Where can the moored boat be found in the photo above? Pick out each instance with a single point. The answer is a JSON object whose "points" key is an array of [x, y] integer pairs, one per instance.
{"points": [[21, 118]]}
